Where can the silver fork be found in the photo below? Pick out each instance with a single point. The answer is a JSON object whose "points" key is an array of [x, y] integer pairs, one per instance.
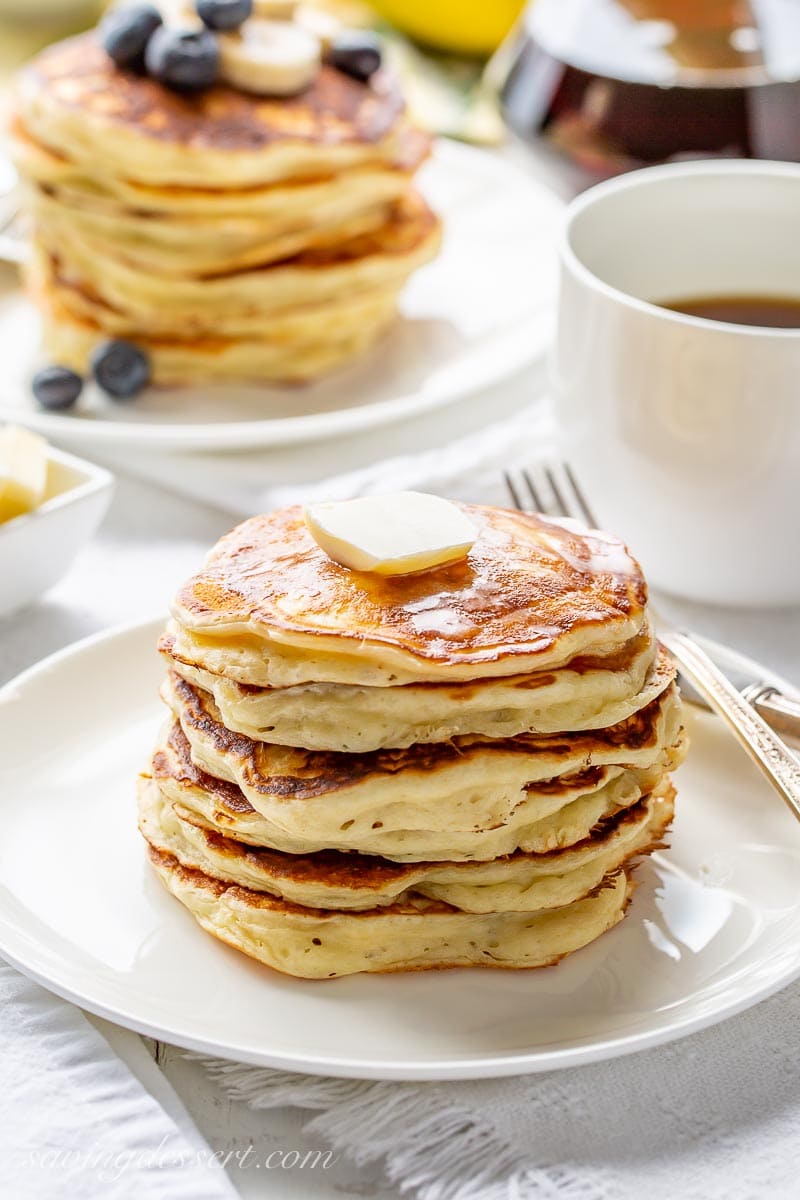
{"points": [[552, 489]]}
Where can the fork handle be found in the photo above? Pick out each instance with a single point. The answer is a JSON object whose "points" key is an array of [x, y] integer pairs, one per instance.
{"points": [[761, 743], [780, 712]]}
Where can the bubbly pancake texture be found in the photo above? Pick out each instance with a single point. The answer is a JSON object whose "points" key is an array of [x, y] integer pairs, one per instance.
{"points": [[531, 596], [514, 883], [414, 935]]}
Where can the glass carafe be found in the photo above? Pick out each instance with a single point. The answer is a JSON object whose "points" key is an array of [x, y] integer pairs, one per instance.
{"points": [[617, 84]]}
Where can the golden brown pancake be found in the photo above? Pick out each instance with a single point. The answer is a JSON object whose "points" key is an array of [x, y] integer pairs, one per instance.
{"points": [[78, 76], [381, 259], [458, 817], [74, 183], [288, 774], [412, 935], [330, 879], [357, 718], [530, 596]]}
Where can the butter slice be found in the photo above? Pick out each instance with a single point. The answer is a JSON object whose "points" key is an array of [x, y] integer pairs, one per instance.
{"points": [[395, 534], [23, 471]]}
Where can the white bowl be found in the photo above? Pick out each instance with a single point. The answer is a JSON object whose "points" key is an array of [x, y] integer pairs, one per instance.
{"points": [[37, 548]]}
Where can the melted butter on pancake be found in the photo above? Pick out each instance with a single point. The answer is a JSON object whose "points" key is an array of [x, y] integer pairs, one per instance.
{"points": [[525, 583]]}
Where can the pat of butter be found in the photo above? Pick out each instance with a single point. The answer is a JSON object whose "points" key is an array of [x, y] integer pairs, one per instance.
{"points": [[395, 534], [23, 471]]}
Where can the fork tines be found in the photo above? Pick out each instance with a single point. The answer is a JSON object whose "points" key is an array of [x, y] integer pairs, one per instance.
{"points": [[549, 487]]}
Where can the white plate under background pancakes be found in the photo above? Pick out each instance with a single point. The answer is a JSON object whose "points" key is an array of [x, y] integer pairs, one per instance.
{"points": [[476, 315], [714, 925]]}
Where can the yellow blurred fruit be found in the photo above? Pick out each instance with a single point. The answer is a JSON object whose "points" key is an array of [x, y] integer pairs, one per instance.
{"points": [[460, 26]]}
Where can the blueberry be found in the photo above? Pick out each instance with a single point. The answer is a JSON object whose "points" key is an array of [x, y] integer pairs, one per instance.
{"points": [[56, 388], [224, 14], [120, 369], [186, 60], [125, 33], [356, 53]]}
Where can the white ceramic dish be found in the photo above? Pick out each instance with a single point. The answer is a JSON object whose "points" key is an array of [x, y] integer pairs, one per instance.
{"points": [[714, 926], [37, 548], [475, 316]]}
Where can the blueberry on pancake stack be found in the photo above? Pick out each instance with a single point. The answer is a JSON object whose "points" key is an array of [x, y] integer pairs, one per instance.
{"points": [[406, 734], [236, 199]]}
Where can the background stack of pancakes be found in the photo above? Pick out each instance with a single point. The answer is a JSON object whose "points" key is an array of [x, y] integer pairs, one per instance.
{"points": [[450, 768], [229, 235]]}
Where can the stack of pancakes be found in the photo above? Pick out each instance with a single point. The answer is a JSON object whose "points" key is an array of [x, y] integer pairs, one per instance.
{"points": [[452, 768], [229, 235]]}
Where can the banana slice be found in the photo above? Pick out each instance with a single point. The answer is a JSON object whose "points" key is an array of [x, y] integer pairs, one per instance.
{"points": [[323, 24], [269, 58], [274, 10], [179, 14]]}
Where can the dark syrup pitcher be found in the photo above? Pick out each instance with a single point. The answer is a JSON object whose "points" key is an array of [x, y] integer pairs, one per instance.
{"points": [[619, 84]]}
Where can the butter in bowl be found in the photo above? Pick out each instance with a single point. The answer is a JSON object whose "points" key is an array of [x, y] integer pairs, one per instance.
{"points": [[51, 503]]}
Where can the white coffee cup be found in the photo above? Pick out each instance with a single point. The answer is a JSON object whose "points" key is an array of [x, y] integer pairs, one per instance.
{"points": [[685, 432]]}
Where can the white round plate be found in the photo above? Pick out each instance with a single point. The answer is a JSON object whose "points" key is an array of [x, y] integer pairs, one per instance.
{"points": [[714, 925], [476, 315]]}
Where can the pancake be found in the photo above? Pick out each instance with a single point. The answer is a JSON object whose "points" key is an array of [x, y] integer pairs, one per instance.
{"points": [[295, 346], [359, 719], [382, 259], [400, 803], [414, 935], [285, 332], [531, 596], [289, 321], [198, 247], [321, 197], [332, 880], [412, 818], [71, 340], [74, 99]]}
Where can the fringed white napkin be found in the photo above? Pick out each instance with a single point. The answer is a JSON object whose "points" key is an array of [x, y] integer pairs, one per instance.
{"points": [[76, 1123], [713, 1117]]}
